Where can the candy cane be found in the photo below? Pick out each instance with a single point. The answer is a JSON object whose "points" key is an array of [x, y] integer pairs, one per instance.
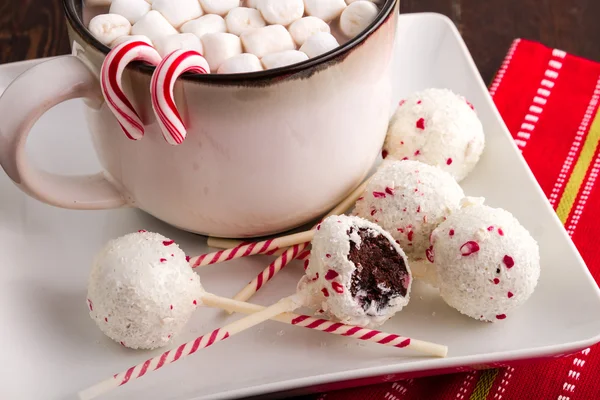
{"points": [[110, 82], [163, 82]]}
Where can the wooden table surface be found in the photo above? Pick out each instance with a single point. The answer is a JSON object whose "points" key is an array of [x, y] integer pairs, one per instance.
{"points": [[36, 28]]}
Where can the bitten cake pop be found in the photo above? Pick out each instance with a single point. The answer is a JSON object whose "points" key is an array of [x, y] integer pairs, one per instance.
{"points": [[357, 272], [487, 262], [142, 291], [409, 199], [439, 128]]}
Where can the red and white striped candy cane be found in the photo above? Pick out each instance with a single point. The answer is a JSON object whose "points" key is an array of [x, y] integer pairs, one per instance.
{"points": [[163, 82], [110, 82]]}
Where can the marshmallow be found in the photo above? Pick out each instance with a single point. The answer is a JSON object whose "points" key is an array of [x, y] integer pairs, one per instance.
{"points": [[270, 39], [210, 23], [180, 41], [241, 19], [219, 7], [153, 25], [108, 27], [133, 10], [219, 47], [178, 12], [252, 3], [130, 38], [305, 27], [281, 12], [283, 58], [357, 17], [327, 10], [319, 43], [240, 64]]}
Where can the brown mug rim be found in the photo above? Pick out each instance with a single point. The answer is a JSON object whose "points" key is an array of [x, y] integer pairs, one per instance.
{"points": [[245, 78]]}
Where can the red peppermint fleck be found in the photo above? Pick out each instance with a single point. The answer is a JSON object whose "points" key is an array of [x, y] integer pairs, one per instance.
{"points": [[360, 198], [501, 316], [508, 261], [171, 306], [172, 255], [321, 311], [325, 292], [328, 255], [500, 232], [169, 337], [510, 294], [389, 191], [90, 305], [404, 209], [469, 248], [417, 152], [400, 230], [404, 159], [379, 195], [401, 103], [419, 102], [142, 231], [449, 161], [410, 236], [373, 212], [188, 258], [402, 142], [122, 344], [319, 227], [470, 105], [490, 228], [306, 264], [496, 281], [384, 154], [419, 209], [168, 242], [416, 190], [331, 275], [105, 319], [195, 303], [337, 287], [162, 260], [421, 123], [429, 254], [315, 278]]}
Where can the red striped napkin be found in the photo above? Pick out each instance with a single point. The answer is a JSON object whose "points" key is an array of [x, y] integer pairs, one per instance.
{"points": [[549, 101]]}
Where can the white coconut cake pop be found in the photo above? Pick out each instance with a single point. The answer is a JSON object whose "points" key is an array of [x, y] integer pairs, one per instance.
{"points": [[487, 262], [142, 291], [357, 273], [439, 128], [409, 199]]}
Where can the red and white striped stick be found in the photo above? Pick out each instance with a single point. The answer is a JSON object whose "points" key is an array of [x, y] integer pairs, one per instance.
{"points": [[110, 82], [336, 328], [161, 90], [285, 305], [250, 249]]}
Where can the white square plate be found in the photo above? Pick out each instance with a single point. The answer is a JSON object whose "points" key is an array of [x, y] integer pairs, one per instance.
{"points": [[52, 349]]}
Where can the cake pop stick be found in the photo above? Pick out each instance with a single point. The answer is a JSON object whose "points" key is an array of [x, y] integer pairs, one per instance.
{"points": [[110, 82], [263, 247], [336, 328], [161, 91], [218, 335]]}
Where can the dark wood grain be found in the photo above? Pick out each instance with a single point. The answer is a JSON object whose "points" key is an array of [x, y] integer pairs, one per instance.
{"points": [[36, 28]]}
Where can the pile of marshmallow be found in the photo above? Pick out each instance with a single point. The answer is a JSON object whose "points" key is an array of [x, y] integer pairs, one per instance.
{"points": [[235, 36]]}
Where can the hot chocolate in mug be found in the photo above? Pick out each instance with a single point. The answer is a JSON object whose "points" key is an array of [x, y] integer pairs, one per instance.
{"points": [[265, 151]]}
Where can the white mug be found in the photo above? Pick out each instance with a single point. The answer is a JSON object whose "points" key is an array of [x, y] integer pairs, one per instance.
{"points": [[265, 152]]}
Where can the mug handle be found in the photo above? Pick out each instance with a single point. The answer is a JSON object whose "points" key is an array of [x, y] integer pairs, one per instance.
{"points": [[25, 100]]}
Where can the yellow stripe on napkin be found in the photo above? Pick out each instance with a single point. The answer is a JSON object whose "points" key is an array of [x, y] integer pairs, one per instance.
{"points": [[484, 385]]}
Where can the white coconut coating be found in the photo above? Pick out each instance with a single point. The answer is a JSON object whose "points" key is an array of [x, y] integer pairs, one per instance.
{"points": [[331, 275], [439, 128], [142, 291], [409, 199], [487, 262]]}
